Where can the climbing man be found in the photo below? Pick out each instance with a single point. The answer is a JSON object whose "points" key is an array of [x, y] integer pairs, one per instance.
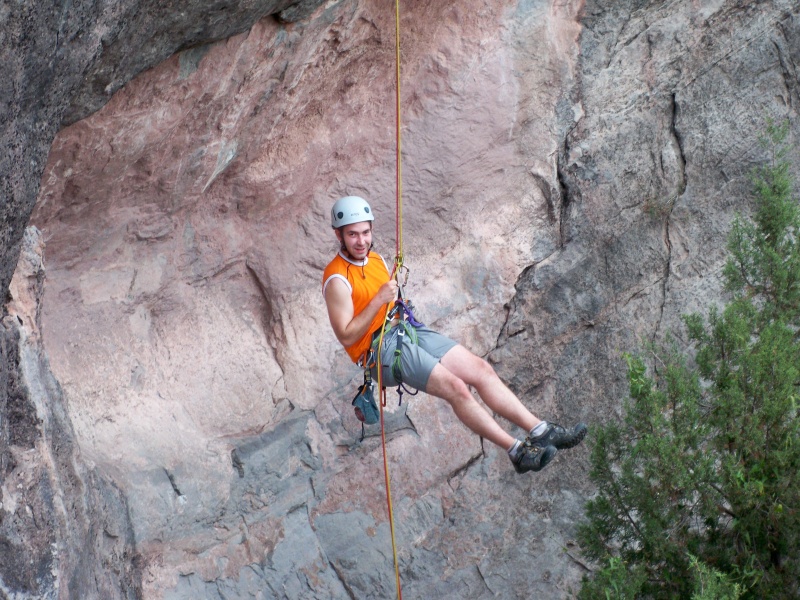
{"points": [[358, 287]]}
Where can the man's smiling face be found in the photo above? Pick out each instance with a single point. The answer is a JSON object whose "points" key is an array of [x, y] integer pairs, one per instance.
{"points": [[356, 238]]}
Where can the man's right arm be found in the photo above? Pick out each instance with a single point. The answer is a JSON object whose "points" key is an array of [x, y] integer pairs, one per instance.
{"points": [[347, 327]]}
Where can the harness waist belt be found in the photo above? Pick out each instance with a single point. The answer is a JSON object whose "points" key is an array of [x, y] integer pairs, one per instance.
{"points": [[377, 333]]}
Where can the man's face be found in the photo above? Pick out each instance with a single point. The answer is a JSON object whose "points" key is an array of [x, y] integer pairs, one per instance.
{"points": [[357, 239]]}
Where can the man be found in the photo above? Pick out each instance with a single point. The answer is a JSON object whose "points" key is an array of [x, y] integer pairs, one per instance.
{"points": [[358, 287]]}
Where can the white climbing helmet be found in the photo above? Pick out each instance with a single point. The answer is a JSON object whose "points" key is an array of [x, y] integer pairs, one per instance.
{"points": [[350, 209]]}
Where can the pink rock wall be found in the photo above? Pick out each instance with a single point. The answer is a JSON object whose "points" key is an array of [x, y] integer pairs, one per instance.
{"points": [[570, 174], [187, 229]]}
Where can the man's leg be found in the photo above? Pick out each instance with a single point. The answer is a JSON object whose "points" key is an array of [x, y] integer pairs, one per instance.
{"points": [[475, 371], [524, 456], [444, 384]]}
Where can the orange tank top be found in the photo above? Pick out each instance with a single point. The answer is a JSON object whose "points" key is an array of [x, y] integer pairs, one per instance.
{"points": [[364, 278]]}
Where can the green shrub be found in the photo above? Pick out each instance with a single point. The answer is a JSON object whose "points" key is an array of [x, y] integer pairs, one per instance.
{"points": [[698, 488]]}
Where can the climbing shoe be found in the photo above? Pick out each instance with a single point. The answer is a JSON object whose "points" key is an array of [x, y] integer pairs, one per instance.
{"points": [[532, 458], [558, 436]]}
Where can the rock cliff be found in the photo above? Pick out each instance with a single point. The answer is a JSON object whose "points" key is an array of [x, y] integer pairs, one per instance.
{"points": [[569, 172], [65, 530]]}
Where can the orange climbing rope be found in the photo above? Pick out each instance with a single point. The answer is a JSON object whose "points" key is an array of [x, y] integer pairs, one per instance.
{"points": [[399, 171], [398, 265]]}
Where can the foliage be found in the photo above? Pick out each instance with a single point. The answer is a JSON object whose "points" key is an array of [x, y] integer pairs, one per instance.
{"points": [[698, 487], [710, 584], [616, 581]]}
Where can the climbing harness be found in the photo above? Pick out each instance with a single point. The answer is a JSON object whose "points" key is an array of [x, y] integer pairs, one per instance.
{"points": [[402, 312]]}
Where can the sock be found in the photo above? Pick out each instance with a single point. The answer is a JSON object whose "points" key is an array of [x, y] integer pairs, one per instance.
{"points": [[514, 450], [539, 429]]}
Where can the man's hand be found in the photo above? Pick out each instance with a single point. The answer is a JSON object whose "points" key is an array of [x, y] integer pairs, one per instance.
{"points": [[387, 292]]}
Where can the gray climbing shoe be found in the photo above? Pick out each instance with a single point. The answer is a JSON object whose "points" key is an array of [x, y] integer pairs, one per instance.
{"points": [[561, 438], [532, 458]]}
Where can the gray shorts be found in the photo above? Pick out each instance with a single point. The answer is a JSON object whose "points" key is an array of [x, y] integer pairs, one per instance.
{"points": [[417, 360]]}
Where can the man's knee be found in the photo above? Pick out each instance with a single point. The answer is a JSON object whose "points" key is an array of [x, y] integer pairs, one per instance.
{"points": [[445, 385], [481, 370], [468, 366]]}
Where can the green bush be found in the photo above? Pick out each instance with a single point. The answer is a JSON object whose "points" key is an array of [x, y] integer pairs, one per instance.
{"points": [[698, 489], [710, 584]]}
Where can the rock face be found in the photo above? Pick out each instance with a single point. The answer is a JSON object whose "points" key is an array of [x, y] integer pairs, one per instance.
{"points": [[569, 172], [60, 65], [65, 530]]}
